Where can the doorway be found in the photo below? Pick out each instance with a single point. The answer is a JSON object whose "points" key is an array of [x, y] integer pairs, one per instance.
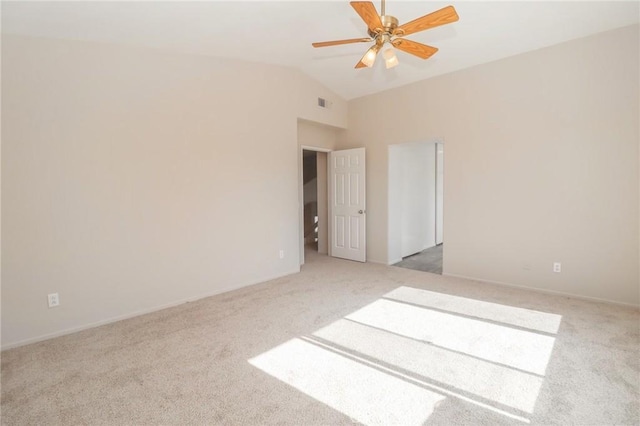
{"points": [[416, 205], [314, 193], [338, 227], [310, 199]]}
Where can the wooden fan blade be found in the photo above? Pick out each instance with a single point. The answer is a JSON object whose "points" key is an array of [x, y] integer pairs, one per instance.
{"points": [[446, 15], [418, 49], [337, 42], [368, 13]]}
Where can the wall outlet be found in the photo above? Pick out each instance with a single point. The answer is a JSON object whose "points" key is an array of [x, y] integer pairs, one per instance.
{"points": [[281, 254], [54, 300], [557, 267]]}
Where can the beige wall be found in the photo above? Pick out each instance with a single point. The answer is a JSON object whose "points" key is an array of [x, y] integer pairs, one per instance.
{"points": [[134, 179], [335, 114], [317, 135], [541, 165]]}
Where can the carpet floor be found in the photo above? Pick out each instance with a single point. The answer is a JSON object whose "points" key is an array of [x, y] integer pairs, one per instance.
{"points": [[340, 343]]}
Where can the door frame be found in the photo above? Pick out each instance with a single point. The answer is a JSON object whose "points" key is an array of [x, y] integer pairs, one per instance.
{"points": [[394, 237], [301, 197]]}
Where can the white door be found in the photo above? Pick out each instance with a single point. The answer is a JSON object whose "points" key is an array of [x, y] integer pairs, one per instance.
{"points": [[347, 207]]}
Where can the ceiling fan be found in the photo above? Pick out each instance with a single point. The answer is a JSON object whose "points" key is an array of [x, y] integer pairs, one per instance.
{"points": [[384, 29]]}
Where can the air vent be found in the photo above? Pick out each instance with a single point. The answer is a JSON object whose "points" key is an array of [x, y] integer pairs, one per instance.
{"points": [[322, 103]]}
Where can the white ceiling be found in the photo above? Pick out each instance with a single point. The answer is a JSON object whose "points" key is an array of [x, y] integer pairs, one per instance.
{"points": [[281, 32]]}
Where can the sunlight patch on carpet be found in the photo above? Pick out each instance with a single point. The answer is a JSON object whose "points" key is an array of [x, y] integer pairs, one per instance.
{"points": [[357, 390], [520, 317], [499, 384], [394, 360], [515, 348]]}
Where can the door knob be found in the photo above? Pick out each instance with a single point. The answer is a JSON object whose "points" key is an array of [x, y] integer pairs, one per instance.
{"points": [[361, 211]]}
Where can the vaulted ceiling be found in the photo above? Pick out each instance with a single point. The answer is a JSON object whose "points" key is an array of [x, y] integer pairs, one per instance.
{"points": [[281, 32]]}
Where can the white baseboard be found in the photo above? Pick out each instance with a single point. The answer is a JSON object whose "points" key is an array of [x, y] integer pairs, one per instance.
{"points": [[545, 291], [140, 312]]}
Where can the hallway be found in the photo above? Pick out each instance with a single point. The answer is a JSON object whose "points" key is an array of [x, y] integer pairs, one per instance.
{"points": [[428, 260]]}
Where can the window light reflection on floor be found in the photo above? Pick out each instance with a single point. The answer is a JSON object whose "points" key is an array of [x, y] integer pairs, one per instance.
{"points": [[394, 360], [357, 390], [485, 380], [515, 348], [509, 315]]}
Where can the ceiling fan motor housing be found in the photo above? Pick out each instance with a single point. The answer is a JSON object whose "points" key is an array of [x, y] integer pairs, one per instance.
{"points": [[389, 23]]}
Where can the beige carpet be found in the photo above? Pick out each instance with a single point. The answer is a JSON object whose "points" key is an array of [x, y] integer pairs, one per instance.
{"points": [[341, 343]]}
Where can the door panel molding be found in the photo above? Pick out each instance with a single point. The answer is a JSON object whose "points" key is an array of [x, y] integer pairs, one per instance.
{"points": [[347, 207]]}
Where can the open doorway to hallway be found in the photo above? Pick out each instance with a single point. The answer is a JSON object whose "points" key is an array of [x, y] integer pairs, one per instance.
{"points": [[310, 195], [314, 201], [416, 205]]}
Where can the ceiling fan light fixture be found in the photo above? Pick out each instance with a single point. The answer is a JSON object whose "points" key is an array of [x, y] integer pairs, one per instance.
{"points": [[390, 58], [383, 29], [370, 57]]}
